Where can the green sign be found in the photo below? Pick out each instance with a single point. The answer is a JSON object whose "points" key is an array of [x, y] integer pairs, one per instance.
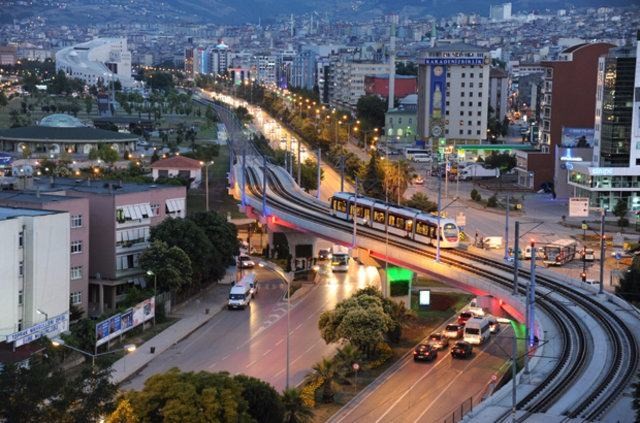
{"points": [[398, 274]]}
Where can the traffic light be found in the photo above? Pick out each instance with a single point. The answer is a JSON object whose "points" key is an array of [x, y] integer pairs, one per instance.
{"points": [[583, 275]]}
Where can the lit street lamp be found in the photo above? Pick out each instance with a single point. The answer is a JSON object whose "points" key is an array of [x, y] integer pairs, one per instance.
{"points": [[42, 313], [206, 181], [57, 342]]}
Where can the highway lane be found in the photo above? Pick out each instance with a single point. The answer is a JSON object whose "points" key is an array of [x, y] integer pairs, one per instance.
{"points": [[429, 392], [253, 341]]}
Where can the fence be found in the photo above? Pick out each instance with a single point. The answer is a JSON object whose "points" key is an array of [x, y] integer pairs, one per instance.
{"points": [[458, 413]]}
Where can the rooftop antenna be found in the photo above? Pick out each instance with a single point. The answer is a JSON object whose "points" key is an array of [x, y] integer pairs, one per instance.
{"points": [[292, 25], [392, 61]]}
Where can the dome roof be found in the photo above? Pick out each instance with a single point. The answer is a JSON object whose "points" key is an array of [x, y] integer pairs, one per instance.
{"points": [[61, 121]]}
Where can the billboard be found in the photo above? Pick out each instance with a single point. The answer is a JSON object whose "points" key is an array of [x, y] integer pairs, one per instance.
{"points": [[53, 325], [120, 323], [444, 61], [5, 160], [577, 137]]}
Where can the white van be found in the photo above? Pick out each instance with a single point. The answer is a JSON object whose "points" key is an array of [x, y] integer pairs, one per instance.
{"points": [[492, 242], [539, 253], [242, 292], [477, 330], [340, 262], [421, 158]]}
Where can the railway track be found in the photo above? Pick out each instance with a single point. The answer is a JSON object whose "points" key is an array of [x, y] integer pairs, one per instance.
{"points": [[574, 352]]}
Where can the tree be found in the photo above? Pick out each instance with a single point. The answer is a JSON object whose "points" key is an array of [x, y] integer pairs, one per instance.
{"points": [[94, 154], [159, 80], [265, 405], [620, 211], [325, 371], [420, 201], [88, 105], [295, 410], [346, 357], [26, 151], [629, 286], [210, 115], [371, 110], [187, 235], [372, 178], [123, 413], [397, 177], [3, 99], [409, 68], [503, 161], [170, 265], [309, 175], [175, 396], [215, 227], [108, 154]]}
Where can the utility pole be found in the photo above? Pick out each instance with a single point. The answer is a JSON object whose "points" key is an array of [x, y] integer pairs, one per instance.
{"points": [[299, 165], [531, 304], [244, 171], [439, 212], [355, 222], [515, 258], [602, 248], [264, 186], [506, 232], [342, 174], [319, 172], [514, 362]]}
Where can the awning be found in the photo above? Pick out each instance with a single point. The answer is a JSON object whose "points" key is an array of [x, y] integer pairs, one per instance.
{"points": [[175, 205]]}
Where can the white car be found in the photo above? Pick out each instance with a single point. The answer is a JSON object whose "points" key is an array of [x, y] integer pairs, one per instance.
{"points": [[245, 262]]}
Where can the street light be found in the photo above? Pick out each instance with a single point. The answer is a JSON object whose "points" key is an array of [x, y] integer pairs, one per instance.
{"points": [[206, 181], [42, 313], [58, 342], [155, 284]]}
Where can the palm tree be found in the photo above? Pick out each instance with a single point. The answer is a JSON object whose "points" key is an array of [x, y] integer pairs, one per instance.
{"points": [[325, 370], [346, 356], [295, 410], [397, 177]]}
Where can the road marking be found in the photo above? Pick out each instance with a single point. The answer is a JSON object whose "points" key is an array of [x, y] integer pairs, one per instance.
{"points": [[251, 364], [213, 365], [226, 356], [449, 384], [280, 342], [267, 352], [298, 327]]}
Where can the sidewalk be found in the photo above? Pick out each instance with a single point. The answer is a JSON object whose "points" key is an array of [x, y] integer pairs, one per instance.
{"points": [[192, 315]]}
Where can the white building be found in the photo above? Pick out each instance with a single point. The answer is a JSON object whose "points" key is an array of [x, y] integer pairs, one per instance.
{"points": [[498, 92], [105, 59], [500, 12], [219, 59], [34, 264], [453, 95], [346, 79], [178, 167]]}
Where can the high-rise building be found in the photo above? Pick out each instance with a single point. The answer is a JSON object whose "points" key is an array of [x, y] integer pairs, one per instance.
{"points": [[346, 79], [498, 92], [34, 264], [453, 95], [303, 71], [614, 173], [500, 12], [219, 59]]}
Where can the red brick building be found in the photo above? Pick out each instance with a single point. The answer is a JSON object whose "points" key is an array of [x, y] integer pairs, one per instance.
{"points": [[568, 100], [379, 85]]}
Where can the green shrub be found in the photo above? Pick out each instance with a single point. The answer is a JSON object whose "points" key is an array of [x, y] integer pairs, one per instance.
{"points": [[492, 201], [474, 194]]}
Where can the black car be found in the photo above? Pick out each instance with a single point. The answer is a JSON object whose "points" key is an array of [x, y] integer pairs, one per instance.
{"points": [[324, 255], [425, 352], [462, 349]]}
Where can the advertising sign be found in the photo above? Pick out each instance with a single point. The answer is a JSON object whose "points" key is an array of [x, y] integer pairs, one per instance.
{"points": [[578, 207], [126, 320], [108, 329], [54, 325], [5, 160], [577, 137], [424, 298], [443, 61], [143, 311]]}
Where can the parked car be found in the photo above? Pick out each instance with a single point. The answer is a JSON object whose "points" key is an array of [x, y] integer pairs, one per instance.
{"points": [[418, 180], [589, 255], [425, 352], [439, 341], [494, 325], [324, 255], [462, 349], [453, 331], [245, 262], [463, 317]]}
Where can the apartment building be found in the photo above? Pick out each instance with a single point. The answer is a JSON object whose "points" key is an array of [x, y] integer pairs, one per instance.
{"points": [[346, 79]]}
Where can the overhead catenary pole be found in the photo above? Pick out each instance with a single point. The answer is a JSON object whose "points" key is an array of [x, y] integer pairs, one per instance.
{"points": [[354, 216], [319, 172], [439, 213], [244, 171], [342, 174], [506, 231], [264, 186], [514, 363], [515, 258], [602, 248], [299, 165]]}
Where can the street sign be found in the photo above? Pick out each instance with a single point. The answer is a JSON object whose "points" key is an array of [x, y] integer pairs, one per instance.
{"points": [[461, 219], [618, 255], [585, 226], [356, 366], [578, 207], [618, 239]]}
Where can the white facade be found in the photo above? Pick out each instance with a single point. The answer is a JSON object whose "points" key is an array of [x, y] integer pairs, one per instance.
{"points": [[103, 59], [500, 12], [34, 265], [498, 92], [453, 94], [346, 80]]}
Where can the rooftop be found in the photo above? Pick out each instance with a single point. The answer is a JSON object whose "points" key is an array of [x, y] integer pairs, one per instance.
{"points": [[57, 134], [176, 162], [13, 212], [33, 197], [95, 186], [59, 120], [456, 47]]}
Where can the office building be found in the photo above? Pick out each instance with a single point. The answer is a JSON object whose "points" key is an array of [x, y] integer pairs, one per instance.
{"points": [[219, 58], [614, 173], [8, 55], [453, 95], [304, 69], [34, 264], [101, 59], [500, 12]]}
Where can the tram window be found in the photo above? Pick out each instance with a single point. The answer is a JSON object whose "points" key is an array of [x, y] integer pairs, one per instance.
{"points": [[378, 216], [422, 228], [400, 222], [367, 214], [409, 225], [360, 211], [340, 205], [392, 220], [351, 207]]}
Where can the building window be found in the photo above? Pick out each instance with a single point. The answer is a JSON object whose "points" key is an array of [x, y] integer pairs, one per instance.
{"points": [[76, 297], [21, 239], [478, 132], [446, 113], [21, 268], [462, 94], [462, 104], [478, 123], [19, 325], [471, 94], [471, 83], [469, 132], [462, 84], [76, 221], [76, 247], [447, 103], [410, 121], [479, 103], [480, 84], [390, 121], [464, 74], [20, 297], [76, 272], [461, 113], [470, 113], [479, 113]]}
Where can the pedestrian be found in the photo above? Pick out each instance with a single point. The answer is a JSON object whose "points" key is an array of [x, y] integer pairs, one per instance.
{"points": [[475, 243]]}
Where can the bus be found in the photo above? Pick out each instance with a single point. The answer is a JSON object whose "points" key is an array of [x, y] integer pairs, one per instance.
{"points": [[410, 153], [559, 252]]}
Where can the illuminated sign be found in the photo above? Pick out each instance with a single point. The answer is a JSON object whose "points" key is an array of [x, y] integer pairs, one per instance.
{"points": [[424, 298], [601, 171], [570, 159], [441, 61]]}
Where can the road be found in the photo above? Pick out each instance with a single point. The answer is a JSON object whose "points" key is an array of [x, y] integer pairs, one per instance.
{"points": [[429, 392], [253, 341]]}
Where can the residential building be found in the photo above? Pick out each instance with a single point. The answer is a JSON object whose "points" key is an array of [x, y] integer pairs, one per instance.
{"points": [[400, 123], [78, 211], [266, 66], [101, 59], [614, 173], [219, 59], [8, 55], [120, 217], [498, 92], [303, 71], [34, 293], [346, 79], [500, 12], [453, 95], [178, 167]]}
